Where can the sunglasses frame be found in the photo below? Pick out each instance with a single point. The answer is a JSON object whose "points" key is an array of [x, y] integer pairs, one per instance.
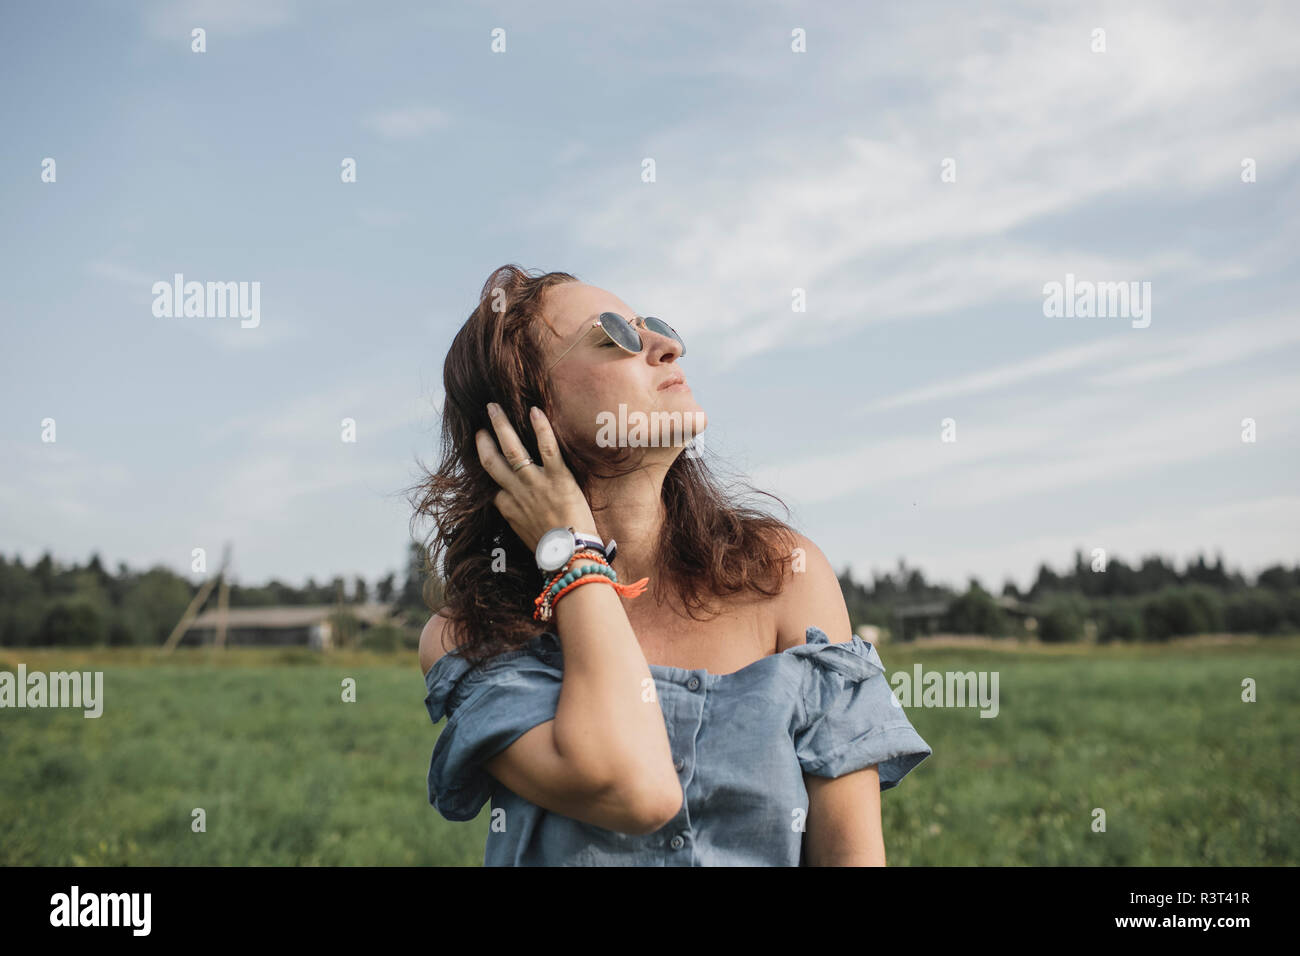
{"points": [[599, 323]]}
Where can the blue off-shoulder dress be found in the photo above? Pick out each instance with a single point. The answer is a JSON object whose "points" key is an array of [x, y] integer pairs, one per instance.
{"points": [[741, 743]]}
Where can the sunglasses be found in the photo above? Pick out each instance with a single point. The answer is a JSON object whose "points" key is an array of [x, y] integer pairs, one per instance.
{"points": [[623, 334]]}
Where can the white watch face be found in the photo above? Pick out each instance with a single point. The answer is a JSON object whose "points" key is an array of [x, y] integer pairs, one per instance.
{"points": [[554, 549]]}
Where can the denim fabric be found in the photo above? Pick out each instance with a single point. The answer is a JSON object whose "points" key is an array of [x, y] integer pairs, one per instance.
{"points": [[741, 743]]}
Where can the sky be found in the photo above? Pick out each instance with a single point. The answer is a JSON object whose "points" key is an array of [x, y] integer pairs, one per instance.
{"points": [[854, 214]]}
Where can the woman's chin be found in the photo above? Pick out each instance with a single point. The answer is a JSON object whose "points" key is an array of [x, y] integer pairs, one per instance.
{"points": [[674, 424], [678, 399]]}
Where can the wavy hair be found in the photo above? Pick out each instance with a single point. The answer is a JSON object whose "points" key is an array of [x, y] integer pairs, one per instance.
{"points": [[710, 546]]}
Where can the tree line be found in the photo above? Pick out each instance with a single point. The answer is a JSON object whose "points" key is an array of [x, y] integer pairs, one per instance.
{"points": [[53, 604], [50, 603], [1116, 601]]}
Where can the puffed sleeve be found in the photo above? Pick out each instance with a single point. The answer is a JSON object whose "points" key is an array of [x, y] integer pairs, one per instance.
{"points": [[487, 709], [851, 718]]}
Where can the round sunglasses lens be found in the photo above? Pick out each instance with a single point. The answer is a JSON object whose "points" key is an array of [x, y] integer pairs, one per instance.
{"points": [[621, 331], [663, 328]]}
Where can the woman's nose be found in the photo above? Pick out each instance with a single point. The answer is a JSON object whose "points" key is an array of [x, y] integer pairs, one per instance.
{"points": [[667, 344], [674, 345]]}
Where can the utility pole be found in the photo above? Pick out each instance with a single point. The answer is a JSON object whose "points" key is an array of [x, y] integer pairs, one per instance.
{"points": [[192, 611]]}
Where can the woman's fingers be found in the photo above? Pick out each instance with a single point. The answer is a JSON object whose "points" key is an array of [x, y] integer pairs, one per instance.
{"points": [[532, 499], [547, 446], [502, 464], [490, 458], [511, 447]]}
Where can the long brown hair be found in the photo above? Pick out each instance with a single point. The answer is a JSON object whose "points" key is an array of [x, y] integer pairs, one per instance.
{"points": [[710, 547]]}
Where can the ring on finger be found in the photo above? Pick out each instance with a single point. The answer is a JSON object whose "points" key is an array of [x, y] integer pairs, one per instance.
{"points": [[523, 464]]}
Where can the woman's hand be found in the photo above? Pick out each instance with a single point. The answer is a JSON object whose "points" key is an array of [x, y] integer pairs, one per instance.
{"points": [[537, 497]]}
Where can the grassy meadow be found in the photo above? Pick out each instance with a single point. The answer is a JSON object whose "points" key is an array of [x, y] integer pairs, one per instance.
{"points": [[288, 774]]}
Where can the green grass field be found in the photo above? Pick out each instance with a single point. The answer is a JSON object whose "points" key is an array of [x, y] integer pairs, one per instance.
{"points": [[288, 774]]}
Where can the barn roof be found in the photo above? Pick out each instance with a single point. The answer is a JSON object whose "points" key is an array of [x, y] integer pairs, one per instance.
{"points": [[287, 616]]}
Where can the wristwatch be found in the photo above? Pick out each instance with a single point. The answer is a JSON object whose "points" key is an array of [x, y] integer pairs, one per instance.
{"points": [[558, 545]]}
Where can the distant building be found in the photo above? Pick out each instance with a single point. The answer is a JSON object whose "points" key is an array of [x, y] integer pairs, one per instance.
{"points": [[914, 620], [282, 625]]}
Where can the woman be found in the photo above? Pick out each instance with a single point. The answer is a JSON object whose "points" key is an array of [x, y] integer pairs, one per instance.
{"points": [[611, 725]]}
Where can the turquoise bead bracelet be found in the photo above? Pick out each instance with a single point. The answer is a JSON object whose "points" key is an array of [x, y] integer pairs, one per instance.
{"points": [[580, 572]]}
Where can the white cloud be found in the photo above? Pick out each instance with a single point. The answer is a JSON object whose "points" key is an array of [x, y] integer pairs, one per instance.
{"points": [[61, 486], [174, 19], [378, 218], [1050, 445], [1140, 356], [1039, 125], [407, 123], [277, 324], [123, 275], [314, 419], [1235, 341], [571, 152]]}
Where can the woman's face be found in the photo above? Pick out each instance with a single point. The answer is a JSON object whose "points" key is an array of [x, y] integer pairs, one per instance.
{"points": [[596, 376]]}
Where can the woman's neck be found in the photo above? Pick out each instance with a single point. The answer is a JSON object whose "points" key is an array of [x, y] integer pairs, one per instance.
{"points": [[630, 510]]}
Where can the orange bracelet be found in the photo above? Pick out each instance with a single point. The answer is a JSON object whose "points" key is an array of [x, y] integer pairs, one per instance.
{"points": [[544, 609]]}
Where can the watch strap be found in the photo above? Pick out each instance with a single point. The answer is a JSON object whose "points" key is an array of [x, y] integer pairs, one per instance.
{"points": [[594, 543]]}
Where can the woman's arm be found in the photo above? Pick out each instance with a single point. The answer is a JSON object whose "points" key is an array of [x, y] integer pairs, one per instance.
{"points": [[606, 756], [535, 768], [843, 826]]}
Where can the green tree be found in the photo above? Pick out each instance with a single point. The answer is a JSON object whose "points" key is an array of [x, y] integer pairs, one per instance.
{"points": [[1255, 612], [1119, 622], [975, 612], [1062, 619], [73, 622], [152, 607], [1176, 612]]}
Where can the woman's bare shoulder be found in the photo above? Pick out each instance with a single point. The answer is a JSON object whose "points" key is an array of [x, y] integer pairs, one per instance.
{"points": [[433, 641], [811, 596]]}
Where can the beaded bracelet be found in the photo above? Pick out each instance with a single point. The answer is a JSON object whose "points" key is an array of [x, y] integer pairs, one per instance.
{"points": [[544, 602], [596, 569], [576, 572], [548, 609], [581, 554]]}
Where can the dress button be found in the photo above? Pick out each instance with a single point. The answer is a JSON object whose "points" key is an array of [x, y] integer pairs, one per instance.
{"points": [[679, 763], [677, 842], [693, 683]]}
